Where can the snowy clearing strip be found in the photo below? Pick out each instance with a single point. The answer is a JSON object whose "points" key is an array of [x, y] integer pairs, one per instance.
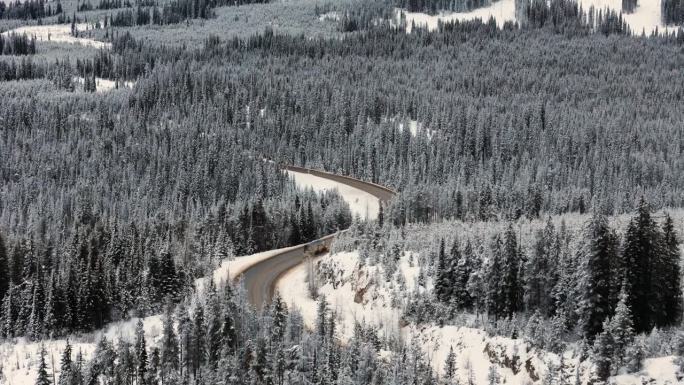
{"points": [[646, 17], [59, 33]]}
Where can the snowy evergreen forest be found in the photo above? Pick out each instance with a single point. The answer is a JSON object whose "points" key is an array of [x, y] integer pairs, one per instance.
{"points": [[116, 199]]}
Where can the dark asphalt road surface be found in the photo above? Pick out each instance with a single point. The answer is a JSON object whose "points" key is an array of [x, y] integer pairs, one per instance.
{"points": [[260, 279]]}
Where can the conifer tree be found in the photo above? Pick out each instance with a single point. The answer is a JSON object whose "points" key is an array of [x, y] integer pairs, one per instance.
{"points": [[198, 350], [621, 330], [641, 256], [169, 351], [511, 280], [42, 378], [450, 365], [140, 354], [462, 269], [321, 317], [4, 269], [670, 274], [598, 254], [66, 374], [442, 279]]}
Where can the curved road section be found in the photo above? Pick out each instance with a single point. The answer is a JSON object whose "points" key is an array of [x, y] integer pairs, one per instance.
{"points": [[260, 279]]}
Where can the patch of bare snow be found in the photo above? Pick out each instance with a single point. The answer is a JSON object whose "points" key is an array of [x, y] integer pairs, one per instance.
{"points": [[59, 33], [104, 85], [646, 17], [657, 371], [361, 203], [502, 11], [415, 128], [19, 359], [343, 297], [329, 16]]}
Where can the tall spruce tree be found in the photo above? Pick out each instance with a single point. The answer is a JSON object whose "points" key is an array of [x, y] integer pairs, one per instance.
{"points": [[511, 280], [66, 374], [670, 274], [443, 284], [140, 353], [597, 255], [641, 257], [4, 268], [42, 378]]}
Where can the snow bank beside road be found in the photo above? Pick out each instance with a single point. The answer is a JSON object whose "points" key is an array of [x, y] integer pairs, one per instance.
{"points": [[232, 268], [361, 203]]}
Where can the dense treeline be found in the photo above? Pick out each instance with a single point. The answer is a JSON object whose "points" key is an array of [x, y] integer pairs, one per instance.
{"points": [[102, 180], [172, 12], [477, 159], [184, 146], [109, 271], [567, 17], [435, 6], [114, 4], [217, 338], [16, 44], [480, 139], [555, 284], [28, 10], [672, 11], [581, 290]]}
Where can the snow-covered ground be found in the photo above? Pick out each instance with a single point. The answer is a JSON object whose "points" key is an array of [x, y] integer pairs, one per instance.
{"points": [[502, 11], [19, 360], [344, 297], [332, 16], [60, 33], [361, 203], [360, 295], [415, 128], [657, 371], [646, 17]]}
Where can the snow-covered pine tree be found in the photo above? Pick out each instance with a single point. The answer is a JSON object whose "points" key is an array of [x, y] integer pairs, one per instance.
{"points": [[66, 374], [493, 377], [641, 254], [621, 331], [450, 366], [670, 275], [42, 378], [597, 255], [4, 269], [443, 284], [512, 285], [140, 353]]}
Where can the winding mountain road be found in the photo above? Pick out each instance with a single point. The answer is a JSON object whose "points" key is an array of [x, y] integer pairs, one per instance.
{"points": [[260, 279]]}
